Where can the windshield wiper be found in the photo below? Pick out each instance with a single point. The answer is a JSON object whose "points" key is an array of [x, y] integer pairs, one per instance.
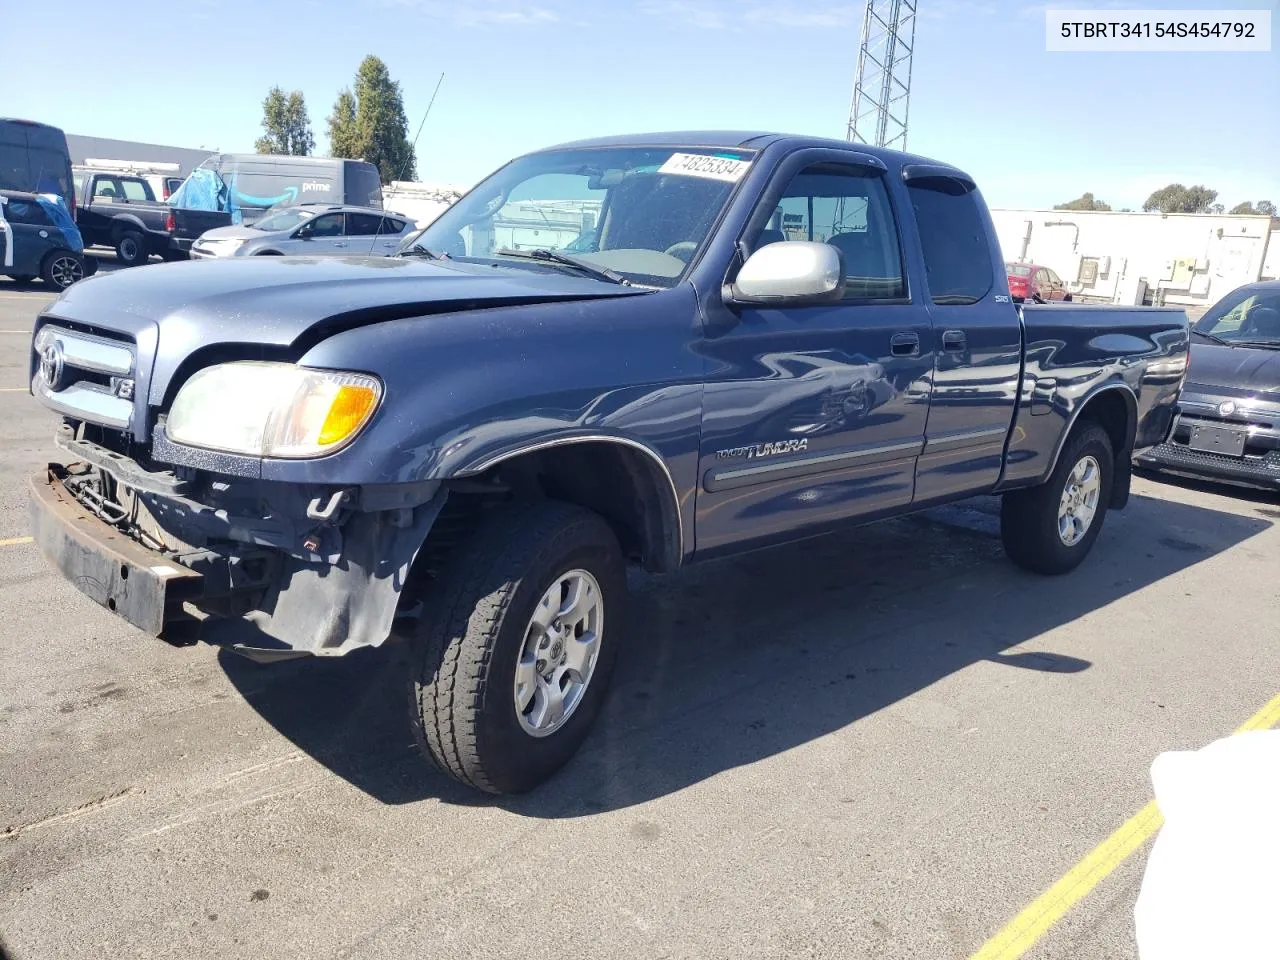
{"points": [[420, 251], [1210, 337], [1263, 344], [568, 260]]}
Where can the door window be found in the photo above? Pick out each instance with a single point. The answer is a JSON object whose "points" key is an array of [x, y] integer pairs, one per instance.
{"points": [[847, 207], [107, 188], [953, 235], [326, 225], [362, 224], [26, 211]]}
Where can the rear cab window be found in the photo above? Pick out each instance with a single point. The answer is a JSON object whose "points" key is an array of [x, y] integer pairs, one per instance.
{"points": [[135, 188], [953, 238]]}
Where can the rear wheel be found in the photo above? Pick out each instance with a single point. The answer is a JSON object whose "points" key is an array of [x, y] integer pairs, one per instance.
{"points": [[1050, 529], [62, 268], [514, 655], [131, 248]]}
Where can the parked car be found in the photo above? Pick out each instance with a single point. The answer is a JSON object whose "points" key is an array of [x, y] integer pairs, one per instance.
{"points": [[308, 230], [463, 445], [1228, 426], [237, 189], [1030, 281], [120, 211], [38, 238]]}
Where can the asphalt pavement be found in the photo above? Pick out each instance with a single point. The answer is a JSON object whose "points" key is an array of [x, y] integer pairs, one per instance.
{"points": [[881, 744]]}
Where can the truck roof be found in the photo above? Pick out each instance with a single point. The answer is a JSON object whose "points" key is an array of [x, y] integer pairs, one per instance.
{"points": [[753, 139]]}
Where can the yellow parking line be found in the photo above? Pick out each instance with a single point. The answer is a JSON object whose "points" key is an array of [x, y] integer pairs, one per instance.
{"points": [[13, 389], [1021, 933], [16, 331], [14, 541]]}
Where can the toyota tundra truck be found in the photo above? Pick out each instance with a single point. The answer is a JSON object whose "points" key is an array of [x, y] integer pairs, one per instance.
{"points": [[756, 338]]}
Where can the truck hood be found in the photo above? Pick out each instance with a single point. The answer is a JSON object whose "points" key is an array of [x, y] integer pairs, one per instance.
{"points": [[172, 310], [1242, 370]]}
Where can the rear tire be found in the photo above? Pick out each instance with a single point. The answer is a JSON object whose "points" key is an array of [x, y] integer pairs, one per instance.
{"points": [[505, 639], [61, 268], [1050, 529], [131, 248]]}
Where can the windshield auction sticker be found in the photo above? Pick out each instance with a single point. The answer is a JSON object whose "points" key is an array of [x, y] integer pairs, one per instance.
{"points": [[1155, 30], [728, 169]]}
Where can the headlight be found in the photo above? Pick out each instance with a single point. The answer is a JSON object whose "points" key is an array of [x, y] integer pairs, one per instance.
{"points": [[272, 409], [221, 248]]}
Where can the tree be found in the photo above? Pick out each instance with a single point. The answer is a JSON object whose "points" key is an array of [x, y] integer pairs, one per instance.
{"points": [[1217, 208], [371, 124], [344, 141], [1175, 198], [287, 126], [1263, 208], [1085, 202]]}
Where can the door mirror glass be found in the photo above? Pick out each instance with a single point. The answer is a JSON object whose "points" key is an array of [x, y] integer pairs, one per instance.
{"points": [[796, 271]]}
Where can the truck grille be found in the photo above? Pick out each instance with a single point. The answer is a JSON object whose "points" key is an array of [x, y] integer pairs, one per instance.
{"points": [[85, 376]]}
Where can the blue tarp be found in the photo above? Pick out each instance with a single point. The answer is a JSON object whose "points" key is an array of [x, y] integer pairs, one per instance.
{"points": [[58, 212], [205, 190]]}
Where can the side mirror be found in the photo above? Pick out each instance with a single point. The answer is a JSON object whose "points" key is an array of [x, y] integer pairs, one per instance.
{"points": [[790, 272]]}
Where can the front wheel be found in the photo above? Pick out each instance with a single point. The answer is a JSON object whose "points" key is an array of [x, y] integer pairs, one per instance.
{"points": [[515, 650], [1049, 529]]}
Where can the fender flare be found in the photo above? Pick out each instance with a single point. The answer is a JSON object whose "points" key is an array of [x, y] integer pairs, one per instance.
{"points": [[1131, 426], [667, 492]]}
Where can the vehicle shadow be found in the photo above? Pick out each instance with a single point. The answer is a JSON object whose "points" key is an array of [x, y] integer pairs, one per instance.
{"points": [[735, 661], [1256, 495]]}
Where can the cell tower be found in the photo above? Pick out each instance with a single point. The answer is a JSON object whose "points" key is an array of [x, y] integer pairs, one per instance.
{"points": [[878, 114]]}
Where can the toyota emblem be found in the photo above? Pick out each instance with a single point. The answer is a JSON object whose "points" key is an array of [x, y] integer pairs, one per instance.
{"points": [[1226, 408], [51, 365]]}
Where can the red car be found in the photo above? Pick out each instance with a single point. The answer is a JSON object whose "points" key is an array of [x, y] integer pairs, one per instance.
{"points": [[1029, 281]]}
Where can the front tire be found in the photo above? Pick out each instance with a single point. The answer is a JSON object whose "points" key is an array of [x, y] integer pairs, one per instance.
{"points": [[1050, 529], [514, 654]]}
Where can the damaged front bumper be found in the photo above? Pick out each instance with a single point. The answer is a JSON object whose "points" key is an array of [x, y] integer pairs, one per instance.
{"points": [[320, 579]]}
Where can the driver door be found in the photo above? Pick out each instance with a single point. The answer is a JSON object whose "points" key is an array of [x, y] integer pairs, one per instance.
{"points": [[319, 236], [816, 413]]}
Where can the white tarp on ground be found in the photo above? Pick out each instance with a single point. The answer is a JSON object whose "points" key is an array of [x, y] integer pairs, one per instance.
{"points": [[1212, 883]]}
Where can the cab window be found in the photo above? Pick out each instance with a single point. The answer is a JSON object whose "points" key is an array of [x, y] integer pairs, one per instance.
{"points": [[847, 207]]}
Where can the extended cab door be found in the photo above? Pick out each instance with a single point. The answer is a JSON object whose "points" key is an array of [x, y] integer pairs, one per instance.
{"points": [[816, 413], [978, 364]]}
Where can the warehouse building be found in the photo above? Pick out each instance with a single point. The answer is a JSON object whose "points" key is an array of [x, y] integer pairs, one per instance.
{"points": [[104, 148], [1178, 259]]}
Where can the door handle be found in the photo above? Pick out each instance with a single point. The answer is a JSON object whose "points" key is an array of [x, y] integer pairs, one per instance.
{"points": [[905, 344], [337, 244], [953, 341]]}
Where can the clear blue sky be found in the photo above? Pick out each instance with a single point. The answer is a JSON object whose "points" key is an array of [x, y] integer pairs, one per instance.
{"points": [[1033, 127]]}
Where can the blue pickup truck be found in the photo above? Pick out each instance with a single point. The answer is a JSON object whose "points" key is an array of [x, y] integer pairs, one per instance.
{"points": [[758, 338]]}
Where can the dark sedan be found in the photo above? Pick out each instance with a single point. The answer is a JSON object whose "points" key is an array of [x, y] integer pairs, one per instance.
{"points": [[1229, 425]]}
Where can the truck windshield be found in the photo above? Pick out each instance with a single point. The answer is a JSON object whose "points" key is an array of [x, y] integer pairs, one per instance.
{"points": [[641, 212], [1244, 317]]}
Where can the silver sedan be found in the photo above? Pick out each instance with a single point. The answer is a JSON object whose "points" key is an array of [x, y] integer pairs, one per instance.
{"points": [[309, 230]]}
